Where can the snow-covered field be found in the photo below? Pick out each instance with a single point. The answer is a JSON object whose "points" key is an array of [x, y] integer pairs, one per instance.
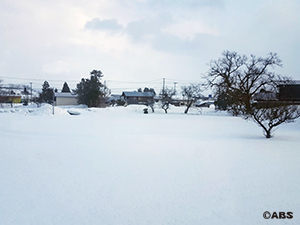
{"points": [[120, 166]]}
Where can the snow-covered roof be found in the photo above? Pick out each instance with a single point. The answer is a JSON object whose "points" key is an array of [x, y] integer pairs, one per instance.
{"points": [[65, 95]]}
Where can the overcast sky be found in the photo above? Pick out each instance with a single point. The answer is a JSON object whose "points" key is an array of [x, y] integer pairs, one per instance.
{"points": [[136, 43]]}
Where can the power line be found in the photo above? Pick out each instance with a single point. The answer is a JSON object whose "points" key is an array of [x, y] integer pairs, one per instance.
{"points": [[114, 85], [30, 79], [117, 81]]}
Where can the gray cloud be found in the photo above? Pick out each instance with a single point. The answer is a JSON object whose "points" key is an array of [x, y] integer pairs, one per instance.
{"points": [[149, 27], [172, 44], [31, 40], [107, 25], [151, 31]]}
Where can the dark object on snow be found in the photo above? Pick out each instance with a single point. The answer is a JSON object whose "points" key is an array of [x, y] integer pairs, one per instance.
{"points": [[73, 113], [145, 111]]}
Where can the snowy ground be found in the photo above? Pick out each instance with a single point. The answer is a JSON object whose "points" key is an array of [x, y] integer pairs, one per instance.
{"points": [[120, 166]]}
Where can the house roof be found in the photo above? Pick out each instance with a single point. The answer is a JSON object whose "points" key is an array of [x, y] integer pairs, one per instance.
{"points": [[137, 94], [65, 95], [11, 96], [289, 82]]}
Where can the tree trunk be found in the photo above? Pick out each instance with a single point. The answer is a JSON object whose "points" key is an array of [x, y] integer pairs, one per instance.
{"points": [[188, 107], [247, 103], [268, 134], [152, 108]]}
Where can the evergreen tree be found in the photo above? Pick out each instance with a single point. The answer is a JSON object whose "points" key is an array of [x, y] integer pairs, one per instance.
{"points": [[90, 91], [152, 90], [47, 93]]}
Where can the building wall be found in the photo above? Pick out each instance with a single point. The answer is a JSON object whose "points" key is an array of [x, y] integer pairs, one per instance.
{"points": [[137, 100], [289, 92], [66, 101], [15, 99], [10, 99]]}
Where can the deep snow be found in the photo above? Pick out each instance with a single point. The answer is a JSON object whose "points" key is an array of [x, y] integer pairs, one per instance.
{"points": [[120, 166]]}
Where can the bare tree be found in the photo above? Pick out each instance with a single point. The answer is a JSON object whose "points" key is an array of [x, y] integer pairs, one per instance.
{"points": [[269, 116], [166, 96], [240, 77], [236, 79], [150, 103], [192, 94]]}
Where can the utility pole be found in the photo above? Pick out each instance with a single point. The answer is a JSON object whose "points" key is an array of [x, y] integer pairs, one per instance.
{"points": [[163, 85], [53, 101], [175, 87], [31, 92]]}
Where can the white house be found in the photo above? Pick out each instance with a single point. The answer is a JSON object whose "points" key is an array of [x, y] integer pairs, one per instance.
{"points": [[65, 98]]}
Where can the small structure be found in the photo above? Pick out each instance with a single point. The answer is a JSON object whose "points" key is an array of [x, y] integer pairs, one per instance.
{"points": [[65, 98], [134, 97]]}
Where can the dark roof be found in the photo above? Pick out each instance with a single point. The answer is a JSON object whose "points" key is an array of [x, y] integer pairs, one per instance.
{"points": [[137, 94], [11, 96], [289, 82]]}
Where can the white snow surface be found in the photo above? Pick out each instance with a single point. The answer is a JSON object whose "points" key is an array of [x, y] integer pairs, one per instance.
{"points": [[120, 166]]}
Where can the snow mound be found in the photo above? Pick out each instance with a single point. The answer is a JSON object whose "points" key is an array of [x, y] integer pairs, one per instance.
{"points": [[46, 110]]}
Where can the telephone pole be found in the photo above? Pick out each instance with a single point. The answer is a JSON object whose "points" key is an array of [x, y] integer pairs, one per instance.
{"points": [[163, 85], [175, 87], [53, 101], [31, 92]]}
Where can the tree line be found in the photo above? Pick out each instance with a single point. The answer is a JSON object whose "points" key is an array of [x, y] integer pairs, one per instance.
{"points": [[90, 91], [235, 79]]}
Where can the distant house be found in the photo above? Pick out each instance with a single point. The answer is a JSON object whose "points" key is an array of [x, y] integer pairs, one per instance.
{"points": [[134, 97], [289, 91], [65, 98], [10, 98], [265, 96]]}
